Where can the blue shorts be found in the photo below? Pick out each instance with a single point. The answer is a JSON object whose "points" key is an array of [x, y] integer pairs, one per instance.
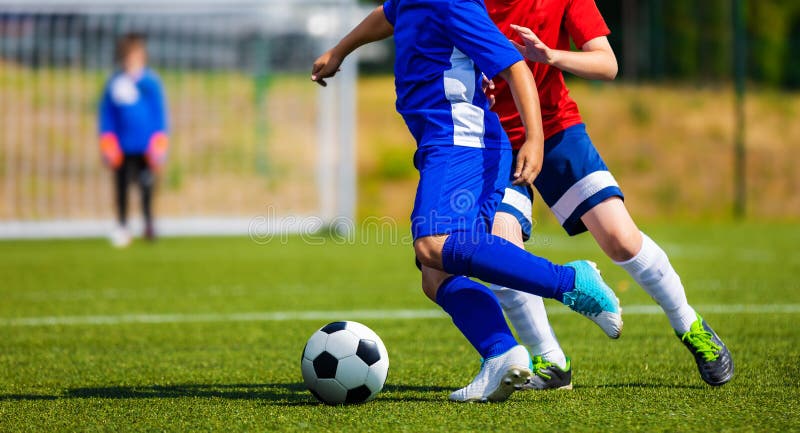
{"points": [[459, 189], [573, 180]]}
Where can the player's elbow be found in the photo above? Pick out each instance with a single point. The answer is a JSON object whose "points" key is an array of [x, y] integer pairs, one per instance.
{"points": [[611, 69], [611, 72], [514, 71]]}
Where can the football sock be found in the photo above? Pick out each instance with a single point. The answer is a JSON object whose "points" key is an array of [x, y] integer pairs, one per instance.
{"points": [[527, 315], [498, 261], [477, 314], [651, 269]]}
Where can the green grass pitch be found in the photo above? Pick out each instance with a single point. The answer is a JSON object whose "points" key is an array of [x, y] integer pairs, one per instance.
{"points": [[155, 338]]}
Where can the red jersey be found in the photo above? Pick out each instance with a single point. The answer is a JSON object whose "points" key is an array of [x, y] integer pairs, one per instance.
{"points": [[554, 22]]}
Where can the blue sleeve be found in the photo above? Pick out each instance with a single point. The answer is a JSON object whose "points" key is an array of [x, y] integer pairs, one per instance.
{"points": [[390, 10], [475, 35], [106, 112]]}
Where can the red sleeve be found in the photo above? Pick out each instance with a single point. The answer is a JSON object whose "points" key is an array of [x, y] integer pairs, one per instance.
{"points": [[584, 22]]}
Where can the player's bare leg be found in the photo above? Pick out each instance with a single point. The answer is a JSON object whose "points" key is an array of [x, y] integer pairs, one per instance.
{"points": [[614, 230]]}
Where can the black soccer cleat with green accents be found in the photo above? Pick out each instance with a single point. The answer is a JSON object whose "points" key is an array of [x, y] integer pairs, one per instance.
{"points": [[548, 375], [713, 359]]}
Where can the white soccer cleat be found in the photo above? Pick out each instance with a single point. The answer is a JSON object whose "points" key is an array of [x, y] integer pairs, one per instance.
{"points": [[120, 237], [498, 379]]}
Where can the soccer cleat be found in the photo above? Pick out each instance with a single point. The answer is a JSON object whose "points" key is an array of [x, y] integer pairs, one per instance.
{"points": [[499, 377], [120, 238], [593, 298], [713, 359], [547, 375]]}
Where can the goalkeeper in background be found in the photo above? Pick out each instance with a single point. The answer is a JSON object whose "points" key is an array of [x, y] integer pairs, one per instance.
{"points": [[133, 131]]}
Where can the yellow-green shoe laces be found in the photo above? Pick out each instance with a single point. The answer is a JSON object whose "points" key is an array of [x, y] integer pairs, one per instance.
{"points": [[701, 340]]}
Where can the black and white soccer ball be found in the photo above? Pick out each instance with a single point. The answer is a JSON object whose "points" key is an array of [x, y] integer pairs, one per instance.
{"points": [[345, 363]]}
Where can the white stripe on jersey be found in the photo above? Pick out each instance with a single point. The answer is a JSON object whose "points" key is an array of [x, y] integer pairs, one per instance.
{"points": [[590, 185], [459, 88]]}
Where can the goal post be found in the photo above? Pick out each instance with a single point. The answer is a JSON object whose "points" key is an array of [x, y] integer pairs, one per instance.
{"points": [[255, 146]]}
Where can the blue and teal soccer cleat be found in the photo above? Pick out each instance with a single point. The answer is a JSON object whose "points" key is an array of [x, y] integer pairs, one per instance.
{"points": [[499, 377], [713, 359], [593, 298], [547, 375]]}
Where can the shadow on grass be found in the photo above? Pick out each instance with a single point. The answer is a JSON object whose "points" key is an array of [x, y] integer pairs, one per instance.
{"points": [[281, 394]]}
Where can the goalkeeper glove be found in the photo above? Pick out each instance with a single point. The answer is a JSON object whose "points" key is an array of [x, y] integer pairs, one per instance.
{"points": [[109, 147]]}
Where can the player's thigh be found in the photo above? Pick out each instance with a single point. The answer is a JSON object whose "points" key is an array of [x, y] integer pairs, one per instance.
{"points": [[123, 173], [614, 229], [574, 178], [507, 226], [144, 174]]}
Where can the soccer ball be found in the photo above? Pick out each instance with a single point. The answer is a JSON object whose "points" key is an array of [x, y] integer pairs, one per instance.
{"points": [[345, 363]]}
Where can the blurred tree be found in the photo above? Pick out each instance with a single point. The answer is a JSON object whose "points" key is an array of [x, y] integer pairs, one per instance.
{"points": [[769, 28], [682, 36], [792, 66], [715, 48]]}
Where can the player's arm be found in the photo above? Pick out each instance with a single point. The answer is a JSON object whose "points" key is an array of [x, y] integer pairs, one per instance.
{"points": [[109, 145], [373, 28], [595, 61], [475, 35], [526, 97], [158, 146]]}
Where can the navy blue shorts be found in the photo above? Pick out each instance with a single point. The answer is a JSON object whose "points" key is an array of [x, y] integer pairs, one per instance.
{"points": [[574, 179], [459, 189]]}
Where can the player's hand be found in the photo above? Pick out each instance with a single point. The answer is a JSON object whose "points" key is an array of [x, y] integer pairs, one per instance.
{"points": [[326, 66], [533, 49], [529, 163], [488, 88]]}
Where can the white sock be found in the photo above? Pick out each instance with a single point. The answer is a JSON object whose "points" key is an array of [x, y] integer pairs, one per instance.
{"points": [[652, 270], [527, 314]]}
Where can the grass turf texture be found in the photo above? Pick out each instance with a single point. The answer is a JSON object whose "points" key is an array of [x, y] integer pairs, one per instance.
{"points": [[246, 375]]}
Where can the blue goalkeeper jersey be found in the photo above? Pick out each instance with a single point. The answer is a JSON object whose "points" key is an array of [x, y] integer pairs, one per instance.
{"points": [[133, 109], [442, 48]]}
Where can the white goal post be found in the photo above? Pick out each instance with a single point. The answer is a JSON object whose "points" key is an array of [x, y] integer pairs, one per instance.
{"points": [[255, 146]]}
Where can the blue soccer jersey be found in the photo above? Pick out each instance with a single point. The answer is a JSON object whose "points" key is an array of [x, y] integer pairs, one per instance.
{"points": [[133, 109], [442, 47]]}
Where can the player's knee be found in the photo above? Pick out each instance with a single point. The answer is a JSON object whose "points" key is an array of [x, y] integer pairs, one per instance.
{"points": [[429, 251], [622, 244]]}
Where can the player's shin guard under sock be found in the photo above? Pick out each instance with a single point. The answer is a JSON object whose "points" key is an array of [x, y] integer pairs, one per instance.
{"points": [[527, 314], [477, 314], [495, 260], [651, 269]]}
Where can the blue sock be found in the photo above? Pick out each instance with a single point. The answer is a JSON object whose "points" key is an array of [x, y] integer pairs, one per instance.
{"points": [[477, 314], [497, 261]]}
